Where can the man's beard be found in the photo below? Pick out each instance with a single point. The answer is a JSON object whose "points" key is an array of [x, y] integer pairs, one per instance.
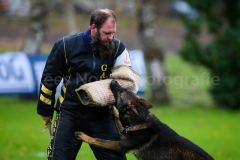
{"points": [[103, 48]]}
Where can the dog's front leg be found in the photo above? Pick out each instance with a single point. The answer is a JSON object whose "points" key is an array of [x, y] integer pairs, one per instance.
{"points": [[107, 144]]}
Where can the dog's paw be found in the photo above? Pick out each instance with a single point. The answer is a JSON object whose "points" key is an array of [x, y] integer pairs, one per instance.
{"points": [[81, 136], [78, 135]]}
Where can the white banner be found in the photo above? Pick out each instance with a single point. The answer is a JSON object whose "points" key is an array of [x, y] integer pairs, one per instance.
{"points": [[15, 73], [138, 64]]}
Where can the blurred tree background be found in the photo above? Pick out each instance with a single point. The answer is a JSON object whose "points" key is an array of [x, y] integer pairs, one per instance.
{"points": [[37, 27], [221, 19], [147, 13], [189, 47], [208, 35]]}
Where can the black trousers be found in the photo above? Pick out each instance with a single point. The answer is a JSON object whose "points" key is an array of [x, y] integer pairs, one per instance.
{"points": [[65, 146]]}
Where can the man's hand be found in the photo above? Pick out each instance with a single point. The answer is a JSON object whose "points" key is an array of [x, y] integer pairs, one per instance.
{"points": [[46, 119]]}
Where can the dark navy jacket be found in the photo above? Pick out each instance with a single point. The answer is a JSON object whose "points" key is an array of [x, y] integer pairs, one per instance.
{"points": [[72, 60]]}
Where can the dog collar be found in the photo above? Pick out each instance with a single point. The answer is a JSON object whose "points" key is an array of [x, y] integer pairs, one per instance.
{"points": [[127, 128]]}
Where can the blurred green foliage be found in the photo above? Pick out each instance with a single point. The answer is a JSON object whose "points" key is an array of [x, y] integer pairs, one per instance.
{"points": [[187, 84], [221, 56]]}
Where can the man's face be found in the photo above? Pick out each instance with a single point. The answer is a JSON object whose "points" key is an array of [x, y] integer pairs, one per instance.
{"points": [[102, 38], [107, 30]]}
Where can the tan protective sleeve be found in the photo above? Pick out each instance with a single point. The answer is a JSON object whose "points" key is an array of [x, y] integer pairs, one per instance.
{"points": [[99, 93]]}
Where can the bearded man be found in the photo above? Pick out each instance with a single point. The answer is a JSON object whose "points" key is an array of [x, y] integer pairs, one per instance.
{"points": [[79, 59]]}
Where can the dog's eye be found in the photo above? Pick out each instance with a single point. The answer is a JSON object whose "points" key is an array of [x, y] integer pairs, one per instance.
{"points": [[127, 108]]}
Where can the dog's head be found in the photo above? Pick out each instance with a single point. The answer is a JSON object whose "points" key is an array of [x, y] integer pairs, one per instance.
{"points": [[132, 109]]}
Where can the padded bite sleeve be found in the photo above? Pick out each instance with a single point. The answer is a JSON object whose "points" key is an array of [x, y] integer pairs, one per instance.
{"points": [[99, 94]]}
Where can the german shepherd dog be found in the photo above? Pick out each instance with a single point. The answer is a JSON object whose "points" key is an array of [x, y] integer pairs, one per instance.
{"points": [[143, 134]]}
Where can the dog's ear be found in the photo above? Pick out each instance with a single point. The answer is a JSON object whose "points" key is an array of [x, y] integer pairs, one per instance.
{"points": [[145, 103]]}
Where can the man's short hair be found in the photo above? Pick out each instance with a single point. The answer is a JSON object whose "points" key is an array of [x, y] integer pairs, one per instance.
{"points": [[99, 16]]}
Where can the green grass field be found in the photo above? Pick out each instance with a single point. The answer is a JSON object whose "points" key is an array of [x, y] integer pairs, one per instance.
{"points": [[192, 114]]}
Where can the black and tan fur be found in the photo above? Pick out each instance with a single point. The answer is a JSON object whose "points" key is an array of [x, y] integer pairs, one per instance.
{"points": [[143, 134]]}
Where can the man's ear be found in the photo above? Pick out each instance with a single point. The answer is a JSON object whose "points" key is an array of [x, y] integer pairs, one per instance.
{"points": [[93, 29], [145, 103]]}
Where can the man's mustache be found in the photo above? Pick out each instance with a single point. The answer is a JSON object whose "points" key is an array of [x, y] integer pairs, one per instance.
{"points": [[100, 47]]}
